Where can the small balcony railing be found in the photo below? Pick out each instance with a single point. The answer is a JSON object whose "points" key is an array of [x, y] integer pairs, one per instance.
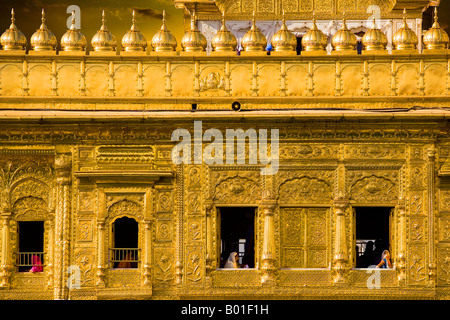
{"points": [[30, 261], [124, 258]]}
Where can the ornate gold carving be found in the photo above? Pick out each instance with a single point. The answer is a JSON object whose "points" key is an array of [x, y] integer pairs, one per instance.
{"points": [[374, 189], [237, 190], [305, 190]]}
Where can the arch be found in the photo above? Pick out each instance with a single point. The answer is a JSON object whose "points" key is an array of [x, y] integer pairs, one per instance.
{"points": [[304, 189], [373, 189], [124, 208], [29, 186], [237, 190], [30, 209]]}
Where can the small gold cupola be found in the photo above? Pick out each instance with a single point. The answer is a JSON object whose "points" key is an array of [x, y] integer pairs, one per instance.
{"points": [[134, 40], [314, 40], [104, 40], [224, 40], [43, 39], [73, 39], [405, 38], [436, 38], [13, 38], [193, 40], [344, 39], [374, 39], [254, 40], [164, 40], [284, 40]]}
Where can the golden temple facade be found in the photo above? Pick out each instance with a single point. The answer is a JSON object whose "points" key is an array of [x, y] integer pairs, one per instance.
{"points": [[86, 134]]}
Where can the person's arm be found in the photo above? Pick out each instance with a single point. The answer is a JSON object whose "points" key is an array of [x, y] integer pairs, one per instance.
{"points": [[380, 264]]}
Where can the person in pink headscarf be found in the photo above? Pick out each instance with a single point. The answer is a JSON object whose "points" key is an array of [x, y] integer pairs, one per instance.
{"points": [[37, 264]]}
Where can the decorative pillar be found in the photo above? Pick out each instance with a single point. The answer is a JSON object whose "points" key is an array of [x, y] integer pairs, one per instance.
{"points": [[340, 259], [63, 170], [6, 265], [401, 257], [147, 270], [101, 221], [268, 248], [209, 242], [50, 264], [431, 234]]}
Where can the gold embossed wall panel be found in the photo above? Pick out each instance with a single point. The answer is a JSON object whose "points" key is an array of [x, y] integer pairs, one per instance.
{"points": [[125, 80], [325, 80], [212, 80], [351, 80], [304, 237], [96, 80], [68, 78], [407, 79], [378, 83], [241, 80], [296, 83], [154, 80], [182, 80], [434, 75], [11, 82], [39, 80]]}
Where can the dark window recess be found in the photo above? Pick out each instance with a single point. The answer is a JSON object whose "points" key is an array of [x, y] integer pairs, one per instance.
{"points": [[372, 234], [237, 226], [299, 45], [31, 245], [125, 253]]}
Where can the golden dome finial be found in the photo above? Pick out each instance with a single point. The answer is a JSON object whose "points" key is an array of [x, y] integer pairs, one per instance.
{"points": [[405, 38], [104, 40], [134, 40], [163, 40], [314, 39], [193, 40], [13, 38], [284, 40], [344, 39], [254, 40], [436, 38], [224, 40], [374, 38], [73, 39], [43, 39]]}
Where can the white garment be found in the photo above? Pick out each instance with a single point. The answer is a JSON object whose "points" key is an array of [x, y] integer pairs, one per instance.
{"points": [[231, 262]]}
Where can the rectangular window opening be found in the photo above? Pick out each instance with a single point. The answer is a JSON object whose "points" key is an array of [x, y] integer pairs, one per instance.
{"points": [[237, 232], [30, 256], [372, 233]]}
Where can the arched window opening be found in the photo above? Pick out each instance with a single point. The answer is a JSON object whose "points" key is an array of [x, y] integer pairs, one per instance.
{"points": [[30, 254], [125, 251]]}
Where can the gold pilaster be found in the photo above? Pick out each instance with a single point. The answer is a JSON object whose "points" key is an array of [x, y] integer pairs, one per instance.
{"points": [[340, 259], [63, 169]]}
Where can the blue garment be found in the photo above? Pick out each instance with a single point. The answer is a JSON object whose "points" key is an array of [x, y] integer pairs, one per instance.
{"points": [[385, 265]]}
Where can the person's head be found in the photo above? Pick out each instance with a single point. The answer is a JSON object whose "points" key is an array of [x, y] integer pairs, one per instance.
{"points": [[386, 254]]}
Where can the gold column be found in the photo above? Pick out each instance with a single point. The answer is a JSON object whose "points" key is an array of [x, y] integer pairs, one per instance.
{"points": [[101, 220], [401, 257], [63, 169], [268, 250], [431, 234], [147, 253], [209, 242], [340, 259], [6, 266], [50, 248]]}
